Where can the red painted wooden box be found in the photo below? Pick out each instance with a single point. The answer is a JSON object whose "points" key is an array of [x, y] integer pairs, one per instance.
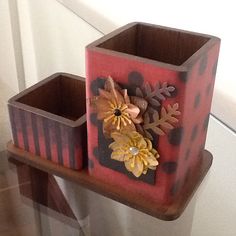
{"points": [[49, 120], [133, 56]]}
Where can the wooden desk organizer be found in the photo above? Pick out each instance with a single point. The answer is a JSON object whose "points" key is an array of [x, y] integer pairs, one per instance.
{"points": [[169, 71], [142, 57]]}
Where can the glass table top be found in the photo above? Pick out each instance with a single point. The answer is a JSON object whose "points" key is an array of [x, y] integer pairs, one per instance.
{"points": [[33, 202]]}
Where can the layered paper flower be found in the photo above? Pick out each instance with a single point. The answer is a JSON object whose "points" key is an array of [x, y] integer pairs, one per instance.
{"points": [[114, 107], [135, 151]]}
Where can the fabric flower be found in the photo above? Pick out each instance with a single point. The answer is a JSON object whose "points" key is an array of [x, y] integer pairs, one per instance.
{"points": [[114, 107], [135, 151]]}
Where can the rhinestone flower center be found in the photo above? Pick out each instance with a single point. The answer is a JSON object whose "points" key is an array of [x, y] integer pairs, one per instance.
{"points": [[117, 112], [134, 151]]}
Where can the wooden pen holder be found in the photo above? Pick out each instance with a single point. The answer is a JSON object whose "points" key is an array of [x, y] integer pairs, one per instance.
{"points": [[166, 67], [49, 120]]}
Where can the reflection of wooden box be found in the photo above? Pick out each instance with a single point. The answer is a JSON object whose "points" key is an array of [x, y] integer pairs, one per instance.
{"points": [[139, 53], [49, 120]]}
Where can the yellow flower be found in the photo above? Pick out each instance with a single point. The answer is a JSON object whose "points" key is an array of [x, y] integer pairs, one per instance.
{"points": [[135, 151], [116, 110]]}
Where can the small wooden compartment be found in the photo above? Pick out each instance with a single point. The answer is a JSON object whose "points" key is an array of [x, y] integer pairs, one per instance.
{"points": [[49, 120], [139, 54], [160, 44]]}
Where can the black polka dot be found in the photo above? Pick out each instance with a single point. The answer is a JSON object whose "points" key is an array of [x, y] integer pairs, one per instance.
{"points": [[214, 68], [93, 118], [135, 78], [183, 76], [175, 136], [208, 89], [187, 154], [96, 84], [197, 100], [90, 164], [194, 132], [175, 188], [169, 167], [96, 152], [202, 65], [206, 121]]}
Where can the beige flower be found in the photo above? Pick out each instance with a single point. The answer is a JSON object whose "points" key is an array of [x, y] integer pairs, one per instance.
{"points": [[135, 151], [116, 110]]}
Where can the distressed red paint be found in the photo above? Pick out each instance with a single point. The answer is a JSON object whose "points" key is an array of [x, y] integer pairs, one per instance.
{"points": [[102, 62]]}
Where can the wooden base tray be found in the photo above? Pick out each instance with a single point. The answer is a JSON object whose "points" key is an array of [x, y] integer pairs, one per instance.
{"points": [[170, 212]]}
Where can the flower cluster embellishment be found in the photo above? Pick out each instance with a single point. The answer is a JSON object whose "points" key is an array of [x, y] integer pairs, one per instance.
{"points": [[129, 120], [135, 151]]}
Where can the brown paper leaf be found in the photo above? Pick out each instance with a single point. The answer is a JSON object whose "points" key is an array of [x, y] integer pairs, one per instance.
{"points": [[139, 92], [167, 125], [165, 120], [160, 96], [146, 118], [139, 129], [154, 96], [154, 102], [158, 131], [148, 135], [163, 111], [148, 89], [157, 86], [173, 119], [155, 115]]}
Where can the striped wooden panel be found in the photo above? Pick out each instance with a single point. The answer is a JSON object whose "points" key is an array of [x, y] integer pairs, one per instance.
{"points": [[47, 138]]}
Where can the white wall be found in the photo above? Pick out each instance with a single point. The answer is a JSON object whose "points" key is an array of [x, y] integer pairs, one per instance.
{"points": [[211, 17], [53, 39], [8, 73], [7, 66]]}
